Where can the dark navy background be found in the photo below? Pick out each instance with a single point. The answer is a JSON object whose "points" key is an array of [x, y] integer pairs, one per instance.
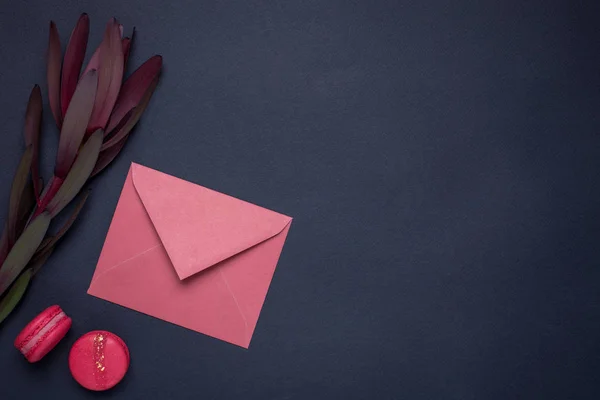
{"points": [[441, 160]]}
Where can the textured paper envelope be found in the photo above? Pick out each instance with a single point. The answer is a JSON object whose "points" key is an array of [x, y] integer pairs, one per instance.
{"points": [[189, 255]]}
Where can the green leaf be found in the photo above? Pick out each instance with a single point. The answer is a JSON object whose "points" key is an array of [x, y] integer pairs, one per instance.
{"points": [[79, 173], [50, 242], [16, 194], [14, 295], [23, 250], [75, 123]]}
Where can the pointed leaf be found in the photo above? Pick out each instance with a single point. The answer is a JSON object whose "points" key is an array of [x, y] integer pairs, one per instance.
{"points": [[75, 123], [33, 118], [110, 76], [49, 243], [3, 244], [126, 47], [53, 73], [127, 43], [108, 155], [74, 55], [134, 89], [14, 295], [135, 115], [79, 173], [23, 250], [16, 194]]}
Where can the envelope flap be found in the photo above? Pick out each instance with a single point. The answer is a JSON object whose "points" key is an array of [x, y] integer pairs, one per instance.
{"points": [[200, 227]]}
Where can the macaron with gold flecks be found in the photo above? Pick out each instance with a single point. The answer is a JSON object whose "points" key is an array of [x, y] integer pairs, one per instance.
{"points": [[99, 360]]}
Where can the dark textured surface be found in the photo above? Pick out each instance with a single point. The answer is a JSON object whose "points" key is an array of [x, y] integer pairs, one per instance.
{"points": [[441, 160]]}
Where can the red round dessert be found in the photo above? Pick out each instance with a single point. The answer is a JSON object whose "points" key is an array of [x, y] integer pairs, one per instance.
{"points": [[43, 333], [99, 360]]}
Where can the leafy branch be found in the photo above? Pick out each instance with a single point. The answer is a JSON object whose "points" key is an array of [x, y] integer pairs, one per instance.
{"points": [[95, 111]]}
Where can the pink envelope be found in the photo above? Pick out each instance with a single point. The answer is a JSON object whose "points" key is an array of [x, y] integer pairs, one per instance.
{"points": [[189, 255]]}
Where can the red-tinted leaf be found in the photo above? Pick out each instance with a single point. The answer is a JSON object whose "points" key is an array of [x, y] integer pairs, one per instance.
{"points": [[75, 123], [127, 43], [110, 75], [79, 173], [108, 155], [126, 48], [74, 55], [17, 193], [23, 250], [46, 188], [134, 89], [33, 118], [134, 117], [120, 30], [53, 73]]}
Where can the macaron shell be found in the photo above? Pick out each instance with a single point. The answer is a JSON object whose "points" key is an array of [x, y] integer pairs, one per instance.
{"points": [[99, 360], [35, 325], [49, 340]]}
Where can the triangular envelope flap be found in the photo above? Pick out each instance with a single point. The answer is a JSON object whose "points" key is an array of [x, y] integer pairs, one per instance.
{"points": [[200, 227]]}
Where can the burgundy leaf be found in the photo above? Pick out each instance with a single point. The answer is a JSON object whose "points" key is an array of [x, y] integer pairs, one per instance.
{"points": [[108, 155], [134, 117], [53, 73], [79, 173], [74, 55], [127, 43], [134, 89], [16, 195], [110, 75], [75, 123], [33, 117]]}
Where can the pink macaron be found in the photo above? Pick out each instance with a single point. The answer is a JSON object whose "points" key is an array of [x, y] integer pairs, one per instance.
{"points": [[99, 360], [43, 333]]}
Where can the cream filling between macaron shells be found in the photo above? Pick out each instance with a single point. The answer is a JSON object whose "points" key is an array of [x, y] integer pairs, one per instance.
{"points": [[51, 324]]}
